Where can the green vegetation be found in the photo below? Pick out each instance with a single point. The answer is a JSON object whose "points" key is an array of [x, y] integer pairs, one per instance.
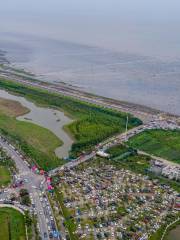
{"points": [[5, 176], [12, 224], [24, 197], [69, 222], [7, 166], [92, 123], [162, 143], [38, 143], [136, 163], [133, 162], [117, 150], [158, 234]]}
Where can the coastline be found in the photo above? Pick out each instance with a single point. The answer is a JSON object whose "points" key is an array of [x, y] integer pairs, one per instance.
{"points": [[144, 112], [14, 71], [138, 110]]}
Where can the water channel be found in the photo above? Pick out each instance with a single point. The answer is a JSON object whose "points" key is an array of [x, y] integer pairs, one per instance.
{"points": [[52, 119]]}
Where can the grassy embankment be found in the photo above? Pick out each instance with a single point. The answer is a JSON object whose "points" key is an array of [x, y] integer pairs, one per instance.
{"points": [[162, 143], [12, 225], [92, 123], [38, 143]]}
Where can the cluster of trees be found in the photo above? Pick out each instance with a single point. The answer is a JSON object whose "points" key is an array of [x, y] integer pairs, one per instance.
{"points": [[6, 161], [28, 219], [24, 197]]}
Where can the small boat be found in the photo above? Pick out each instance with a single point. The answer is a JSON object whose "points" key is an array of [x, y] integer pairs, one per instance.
{"points": [[29, 119]]}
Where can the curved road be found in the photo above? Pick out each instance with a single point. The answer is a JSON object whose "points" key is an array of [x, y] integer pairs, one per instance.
{"points": [[32, 185]]}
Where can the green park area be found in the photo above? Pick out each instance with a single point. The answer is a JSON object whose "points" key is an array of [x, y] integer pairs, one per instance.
{"points": [[161, 143], [5, 176], [12, 225], [91, 124], [38, 143]]}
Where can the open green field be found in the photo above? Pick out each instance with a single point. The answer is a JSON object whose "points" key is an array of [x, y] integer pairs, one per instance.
{"points": [[162, 143], [117, 150], [38, 143], [5, 176], [92, 123], [12, 225]]}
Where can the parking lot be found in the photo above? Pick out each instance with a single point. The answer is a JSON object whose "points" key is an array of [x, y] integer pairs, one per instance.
{"points": [[110, 203]]}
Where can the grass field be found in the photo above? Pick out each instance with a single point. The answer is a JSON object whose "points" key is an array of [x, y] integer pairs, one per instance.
{"points": [[117, 150], [12, 108], [162, 143], [92, 123], [37, 142], [12, 225], [5, 176]]}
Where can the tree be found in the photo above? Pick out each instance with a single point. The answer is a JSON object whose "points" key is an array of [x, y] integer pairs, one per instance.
{"points": [[25, 199], [23, 192]]}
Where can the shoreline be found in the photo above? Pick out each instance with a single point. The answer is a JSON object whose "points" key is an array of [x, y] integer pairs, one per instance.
{"points": [[28, 116], [139, 110]]}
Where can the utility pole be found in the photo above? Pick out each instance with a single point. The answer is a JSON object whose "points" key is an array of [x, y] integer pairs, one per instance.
{"points": [[127, 125]]}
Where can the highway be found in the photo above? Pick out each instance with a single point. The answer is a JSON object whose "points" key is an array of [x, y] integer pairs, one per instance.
{"points": [[139, 112], [103, 145], [122, 138], [32, 185], [42, 207]]}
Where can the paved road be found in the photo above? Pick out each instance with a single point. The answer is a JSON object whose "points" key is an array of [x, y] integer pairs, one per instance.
{"points": [[100, 101], [34, 180], [32, 185], [72, 164], [165, 161], [121, 138], [103, 145]]}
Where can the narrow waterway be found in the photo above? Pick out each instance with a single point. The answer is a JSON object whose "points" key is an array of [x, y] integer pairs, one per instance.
{"points": [[51, 119]]}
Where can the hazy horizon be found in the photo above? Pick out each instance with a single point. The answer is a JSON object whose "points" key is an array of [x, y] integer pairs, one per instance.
{"points": [[143, 27], [128, 50]]}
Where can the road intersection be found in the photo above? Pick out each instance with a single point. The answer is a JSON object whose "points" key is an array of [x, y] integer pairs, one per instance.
{"points": [[32, 184], [35, 184]]}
